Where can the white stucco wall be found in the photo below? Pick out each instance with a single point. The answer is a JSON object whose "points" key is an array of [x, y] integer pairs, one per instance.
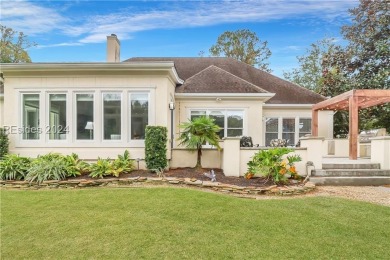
{"points": [[252, 113], [160, 85], [1, 111]]}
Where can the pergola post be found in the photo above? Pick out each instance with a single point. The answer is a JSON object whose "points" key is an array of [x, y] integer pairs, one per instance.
{"points": [[353, 126], [314, 122]]}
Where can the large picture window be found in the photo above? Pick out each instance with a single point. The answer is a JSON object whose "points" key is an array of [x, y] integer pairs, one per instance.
{"points": [[139, 115], [84, 115], [58, 118], [290, 129], [30, 118], [112, 116], [231, 122], [58, 127]]}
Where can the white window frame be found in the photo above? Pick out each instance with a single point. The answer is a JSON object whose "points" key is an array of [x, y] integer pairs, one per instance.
{"points": [[280, 127], [137, 142], [96, 131], [71, 114], [224, 111], [123, 138], [47, 118]]}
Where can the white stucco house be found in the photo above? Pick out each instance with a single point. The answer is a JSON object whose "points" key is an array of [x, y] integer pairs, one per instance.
{"points": [[101, 109]]}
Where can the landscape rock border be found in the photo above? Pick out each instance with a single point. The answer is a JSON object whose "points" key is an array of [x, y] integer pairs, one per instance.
{"points": [[137, 181]]}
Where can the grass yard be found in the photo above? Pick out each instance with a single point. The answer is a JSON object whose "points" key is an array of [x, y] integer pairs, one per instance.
{"points": [[174, 223]]}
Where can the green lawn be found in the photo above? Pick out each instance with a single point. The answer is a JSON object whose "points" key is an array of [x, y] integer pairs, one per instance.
{"points": [[174, 223]]}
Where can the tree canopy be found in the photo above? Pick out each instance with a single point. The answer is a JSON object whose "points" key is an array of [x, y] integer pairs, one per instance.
{"points": [[243, 45], [13, 46], [363, 63]]}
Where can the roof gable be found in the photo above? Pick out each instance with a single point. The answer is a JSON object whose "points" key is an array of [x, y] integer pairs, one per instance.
{"points": [[285, 92], [216, 80]]}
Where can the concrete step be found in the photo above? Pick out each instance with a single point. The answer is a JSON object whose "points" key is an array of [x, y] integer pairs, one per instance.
{"points": [[326, 166], [350, 172], [352, 181]]}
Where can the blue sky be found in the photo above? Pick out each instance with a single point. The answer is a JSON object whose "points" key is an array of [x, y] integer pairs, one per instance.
{"points": [[75, 31]]}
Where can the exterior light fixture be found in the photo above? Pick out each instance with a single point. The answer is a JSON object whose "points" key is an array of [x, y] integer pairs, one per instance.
{"points": [[171, 105]]}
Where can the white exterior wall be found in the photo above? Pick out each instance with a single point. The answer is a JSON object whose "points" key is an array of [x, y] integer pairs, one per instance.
{"points": [[159, 84], [252, 113], [325, 118], [1, 111]]}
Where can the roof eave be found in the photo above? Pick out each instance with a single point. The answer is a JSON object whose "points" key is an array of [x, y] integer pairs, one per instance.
{"points": [[256, 96], [284, 106], [94, 66]]}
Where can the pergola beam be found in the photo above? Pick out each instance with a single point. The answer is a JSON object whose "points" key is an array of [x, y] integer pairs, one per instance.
{"points": [[352, 101]]}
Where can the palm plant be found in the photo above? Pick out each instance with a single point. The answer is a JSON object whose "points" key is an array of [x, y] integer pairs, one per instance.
{"points": [[198, 132]]}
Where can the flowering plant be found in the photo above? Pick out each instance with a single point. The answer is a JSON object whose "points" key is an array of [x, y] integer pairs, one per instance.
{"points": [[270, 164]]}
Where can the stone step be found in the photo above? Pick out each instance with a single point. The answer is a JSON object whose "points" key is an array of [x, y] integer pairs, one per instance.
{"points": [[326, 166], [350, 172], [351, 181]]}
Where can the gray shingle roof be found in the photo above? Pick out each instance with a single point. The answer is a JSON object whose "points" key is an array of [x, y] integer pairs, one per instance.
{"points": [[216, 80], [285, 91]]}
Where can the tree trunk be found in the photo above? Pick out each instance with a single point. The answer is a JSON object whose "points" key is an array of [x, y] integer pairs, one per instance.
{"points": [[199, 158]]}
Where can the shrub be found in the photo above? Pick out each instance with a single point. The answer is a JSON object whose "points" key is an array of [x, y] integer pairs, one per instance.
{"points": [[51, 166], [124, 162], [270, 164], [103, 167], [3, 143], [75, 166], [156, 138], [14, 167]]}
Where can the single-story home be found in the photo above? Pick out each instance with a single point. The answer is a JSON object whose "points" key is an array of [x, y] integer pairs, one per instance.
{"points": [[102, 108]]}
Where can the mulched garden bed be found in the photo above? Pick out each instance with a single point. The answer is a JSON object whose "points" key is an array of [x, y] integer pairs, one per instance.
{"points": [[195, 174]]}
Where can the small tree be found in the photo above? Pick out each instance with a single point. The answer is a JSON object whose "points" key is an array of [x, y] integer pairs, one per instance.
{"points": [[196, 133], [156, 138], [3, 143]]}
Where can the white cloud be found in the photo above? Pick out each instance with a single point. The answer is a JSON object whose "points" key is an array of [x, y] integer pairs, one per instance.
{"points": [[34, 19], [30, 18]]}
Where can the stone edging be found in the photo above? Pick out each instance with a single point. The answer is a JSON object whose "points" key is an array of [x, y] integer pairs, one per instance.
{"points": [[137, 181]]}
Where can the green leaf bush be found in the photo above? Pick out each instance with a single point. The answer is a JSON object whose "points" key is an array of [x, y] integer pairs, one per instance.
{"points": [[270, 164], [156, 138], [14, 167], [51, 166], [107, 167], [3, 143]]}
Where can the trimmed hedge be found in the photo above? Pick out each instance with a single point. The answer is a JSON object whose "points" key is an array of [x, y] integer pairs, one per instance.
{"points": [[3, 143], [156, 138]]}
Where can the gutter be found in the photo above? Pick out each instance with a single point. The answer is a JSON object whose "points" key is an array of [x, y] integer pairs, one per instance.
{"points": [[220, 96], [93, 66], [284, 106]]}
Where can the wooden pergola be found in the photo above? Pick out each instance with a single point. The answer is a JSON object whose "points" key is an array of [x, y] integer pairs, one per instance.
{"points": [[351, 101]]}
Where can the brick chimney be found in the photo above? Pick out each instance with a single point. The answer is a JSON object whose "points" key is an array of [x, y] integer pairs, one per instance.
{"points": [[113, 48]]}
